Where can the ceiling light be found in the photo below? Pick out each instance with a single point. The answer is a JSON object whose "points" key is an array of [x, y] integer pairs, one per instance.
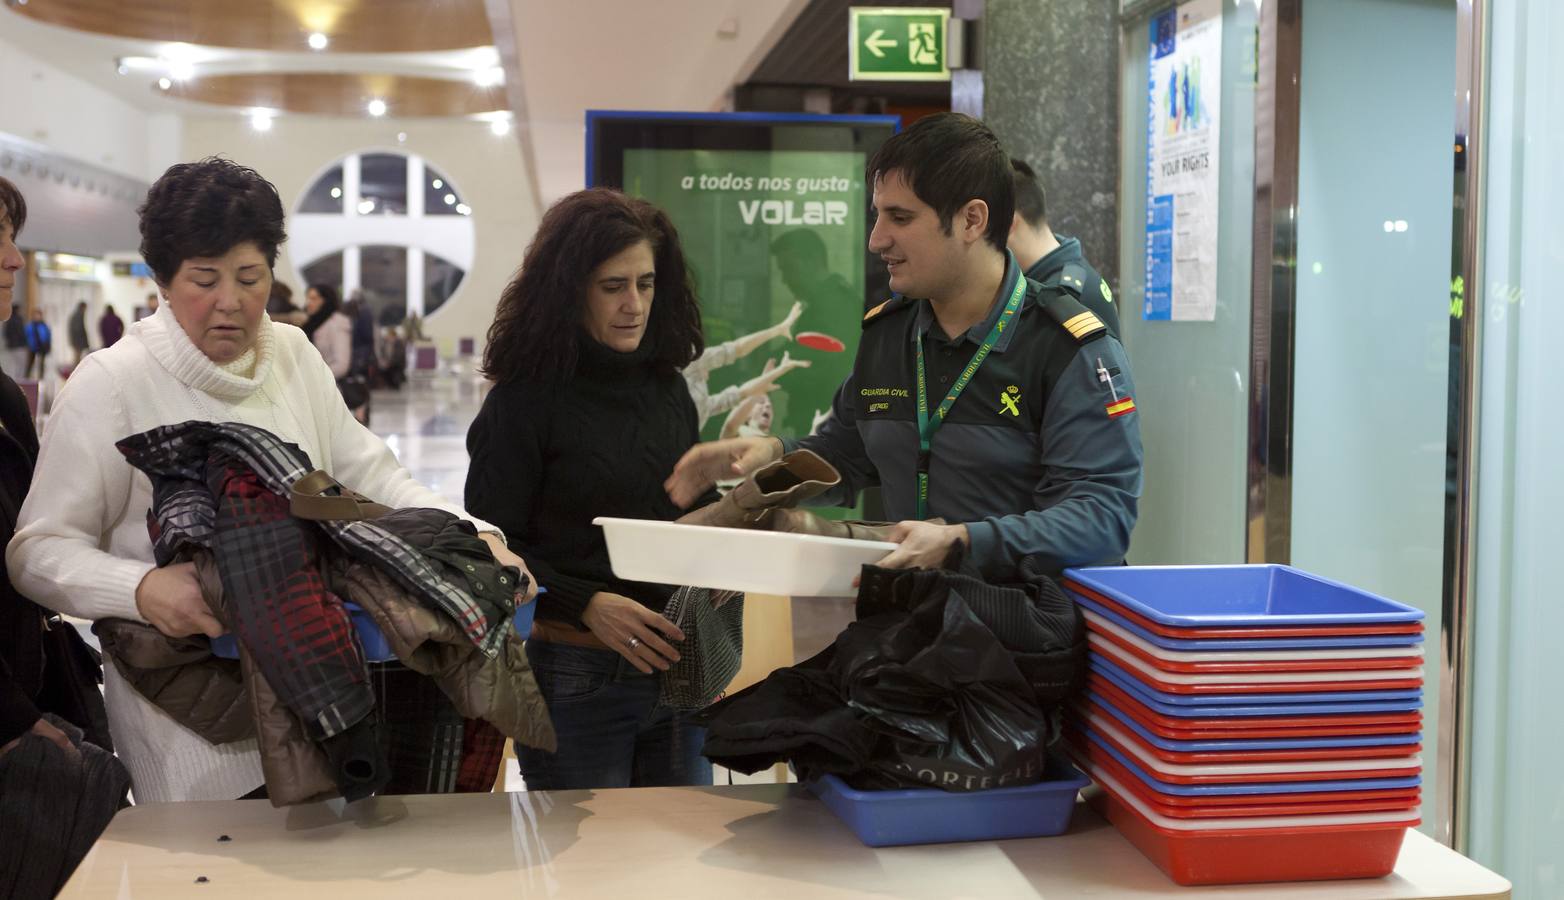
{"points": [[450, 199], [1401, 225], [500, 127], [318, 41], [488, 76], [164, 83], [464, 209], [1389, 226], [261, 120], [122, 68], [401, 137], [438, 184], [336, 193], [377, 107], [365, 207], [182, 70]]}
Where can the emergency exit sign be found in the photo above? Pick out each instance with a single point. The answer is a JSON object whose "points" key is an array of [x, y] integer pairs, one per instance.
{"points": [[899, 44]]}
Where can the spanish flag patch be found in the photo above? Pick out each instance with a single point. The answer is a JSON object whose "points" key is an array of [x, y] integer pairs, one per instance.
{"points": [[1120, 407]]}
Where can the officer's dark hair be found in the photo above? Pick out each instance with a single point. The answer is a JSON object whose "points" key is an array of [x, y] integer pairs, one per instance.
{"points": [[205, 209], [949, 160], [538, 326], [13, 207], [1031, 203]]}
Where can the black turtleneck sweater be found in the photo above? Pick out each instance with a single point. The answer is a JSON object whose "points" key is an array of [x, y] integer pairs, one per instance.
{"points": [[549, 457]]}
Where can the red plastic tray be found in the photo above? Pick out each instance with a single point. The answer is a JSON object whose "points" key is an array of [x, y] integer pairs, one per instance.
{"points": [[1238, 857], [1283, 687], [1157, 801], [1195, 757], [1210, 727], [1084, 754], [1295, 665], [1260, 778], [1257, 631]]}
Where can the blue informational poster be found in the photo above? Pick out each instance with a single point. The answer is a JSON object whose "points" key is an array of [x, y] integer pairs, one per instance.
{"points": [[1183, 125]]}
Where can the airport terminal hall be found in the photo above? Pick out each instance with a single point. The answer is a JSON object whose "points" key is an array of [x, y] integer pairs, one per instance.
{"points": [[780, 449]]}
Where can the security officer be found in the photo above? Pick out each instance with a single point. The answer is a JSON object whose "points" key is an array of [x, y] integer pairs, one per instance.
{"points": [[1047, 258], [992, 402]]}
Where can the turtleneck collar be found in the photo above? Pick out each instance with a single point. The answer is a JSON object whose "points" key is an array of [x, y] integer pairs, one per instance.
{"points": [[172, 348], [601, 363]]}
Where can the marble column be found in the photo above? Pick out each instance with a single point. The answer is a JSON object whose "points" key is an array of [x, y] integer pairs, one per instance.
{"points": [[1050, 91]]}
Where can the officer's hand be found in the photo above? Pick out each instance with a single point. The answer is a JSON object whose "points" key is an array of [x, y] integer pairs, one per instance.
{"points": [[924, 545], [171, 599], [700, 467]]}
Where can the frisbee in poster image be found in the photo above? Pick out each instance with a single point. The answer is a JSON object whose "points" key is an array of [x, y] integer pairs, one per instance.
{"points": [[1268, 631], [1254, 660], [1251, 682], [1240, 596], [1367, 642], [816, 340]]}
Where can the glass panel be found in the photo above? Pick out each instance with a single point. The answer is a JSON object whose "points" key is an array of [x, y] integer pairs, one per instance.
{"points": [[326, 270], [383, 275], [1375, 194], [441, 279], [1517, 785], [1191, 378], [382, 185], [325, 195], [440, 196]]}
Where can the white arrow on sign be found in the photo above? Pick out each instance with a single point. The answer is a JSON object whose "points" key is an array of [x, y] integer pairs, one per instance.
{"points": [[877, 40]]}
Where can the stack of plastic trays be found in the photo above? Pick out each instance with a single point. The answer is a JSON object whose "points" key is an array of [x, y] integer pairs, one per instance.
{"points": [[1250, 723]]}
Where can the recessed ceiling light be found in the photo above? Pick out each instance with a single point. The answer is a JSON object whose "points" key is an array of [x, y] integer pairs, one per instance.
{"points": [[365, 207], [336, 193], [164, 83], [181, 70], [261, 120], [438, 184], [318, 41], [464, 209], [488, 76], [377, 107], [500, 127], [450, 199]]}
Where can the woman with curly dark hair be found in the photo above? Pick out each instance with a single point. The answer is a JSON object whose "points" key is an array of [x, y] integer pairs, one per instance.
{"points": [[587, 417]]}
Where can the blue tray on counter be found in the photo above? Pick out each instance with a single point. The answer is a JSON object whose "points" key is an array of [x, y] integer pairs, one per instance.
{"points": [[932, 816], [1302, 643], [1240, 596]]}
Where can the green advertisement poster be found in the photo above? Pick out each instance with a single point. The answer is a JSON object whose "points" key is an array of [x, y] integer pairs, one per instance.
{"points": [[764, 230]]}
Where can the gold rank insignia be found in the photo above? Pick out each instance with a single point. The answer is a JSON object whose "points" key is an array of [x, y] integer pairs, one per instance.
{"points": [[1107, 292], [1083, 324], [1008, 401]]}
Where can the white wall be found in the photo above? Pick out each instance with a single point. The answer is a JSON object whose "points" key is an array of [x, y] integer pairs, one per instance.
{"points": [[486, 169], [45, 105]]}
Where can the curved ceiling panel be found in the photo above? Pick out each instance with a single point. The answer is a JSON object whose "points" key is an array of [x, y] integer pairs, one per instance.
{"points": [[353, 26], [343, 95]]}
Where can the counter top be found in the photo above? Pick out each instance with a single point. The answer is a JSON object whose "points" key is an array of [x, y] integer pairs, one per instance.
{"points": [[746, 842]]}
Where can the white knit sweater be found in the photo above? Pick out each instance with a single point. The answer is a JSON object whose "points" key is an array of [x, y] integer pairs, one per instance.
{"points": [[81, 545]]}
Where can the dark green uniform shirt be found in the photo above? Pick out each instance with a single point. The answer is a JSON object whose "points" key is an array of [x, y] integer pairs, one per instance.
{"points": [[1092, 289], [1041, 453]]}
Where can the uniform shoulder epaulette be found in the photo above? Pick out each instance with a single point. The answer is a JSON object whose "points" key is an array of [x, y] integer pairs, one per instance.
{"points": [[890, 305], [1074, 278], [1064, 305]]}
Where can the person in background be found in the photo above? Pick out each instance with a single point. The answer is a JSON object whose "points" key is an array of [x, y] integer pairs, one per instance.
{"points": [[393, 358], [33, 652], [110, 326], [280, 306], [150, 308], [587, 416], [209, 354], [76, 329], [363, 319], [40, 341], [328, 328], [15, 335], [1050, 259]]}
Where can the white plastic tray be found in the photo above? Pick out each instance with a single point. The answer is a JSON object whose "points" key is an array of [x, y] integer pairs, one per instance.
{"points": [[732, 559], [1156, 766], [1126, 660], [1103, 625]]}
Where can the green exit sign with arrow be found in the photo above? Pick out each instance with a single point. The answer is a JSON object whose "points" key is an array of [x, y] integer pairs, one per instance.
{"points": [[899, 43]]}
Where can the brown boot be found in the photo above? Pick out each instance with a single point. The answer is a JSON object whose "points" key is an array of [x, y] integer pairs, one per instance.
{"points": [[798, 521], [785, 483]]}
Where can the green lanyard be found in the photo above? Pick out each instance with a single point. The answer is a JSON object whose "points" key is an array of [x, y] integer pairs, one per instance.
{"points": [[926, 425]]}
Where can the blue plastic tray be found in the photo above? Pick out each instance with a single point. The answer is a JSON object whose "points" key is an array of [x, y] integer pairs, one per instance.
{"points": [[1103, 665], [376, 647], [1229, 596], [1248, 707], [1227, 746], [1309, 643], [932, 816], [1258, 787]]}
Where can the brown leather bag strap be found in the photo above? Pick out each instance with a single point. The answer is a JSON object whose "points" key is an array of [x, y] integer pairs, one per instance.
{"points": [[318, 497]]}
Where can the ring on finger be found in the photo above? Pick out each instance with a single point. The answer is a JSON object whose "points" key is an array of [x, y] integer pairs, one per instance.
{"points": [[633, 643]]}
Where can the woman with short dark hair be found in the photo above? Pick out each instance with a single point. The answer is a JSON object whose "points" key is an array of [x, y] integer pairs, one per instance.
{"points": [[587, 417], [210, 232]]}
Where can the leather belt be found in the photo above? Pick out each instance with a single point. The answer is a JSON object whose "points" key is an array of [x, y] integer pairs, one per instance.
{"points": [[560, 633]]}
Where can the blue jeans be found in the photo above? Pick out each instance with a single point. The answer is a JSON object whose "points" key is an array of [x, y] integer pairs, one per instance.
{"points": [[611, 730]]}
